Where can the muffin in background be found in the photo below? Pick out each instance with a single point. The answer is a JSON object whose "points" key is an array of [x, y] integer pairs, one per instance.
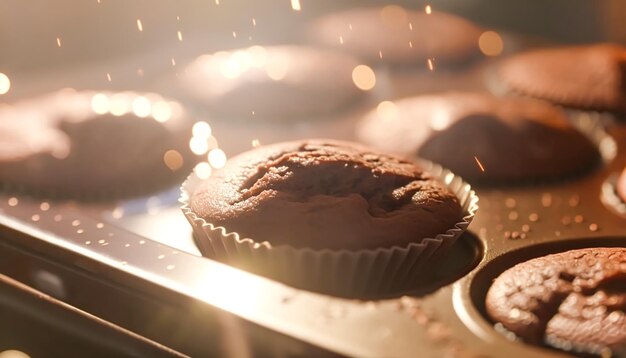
{"points": [[398, 36], [272, 82], [586, 77], [483, 138], [91, 146]]}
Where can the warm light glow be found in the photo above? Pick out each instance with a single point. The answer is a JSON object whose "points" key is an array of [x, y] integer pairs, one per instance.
{"points": [[258, 56], [363, 77], [119, 105], [490, 43], [5, 83], [198, 145], [217, 158], [202, 170], [142, 107], [161, 111], [428, 10], [237, 290], [295, 5], [276, 69], [173, 160], [387, 110], [139, 25], [201, 130], [100, 103], [11, 353]]}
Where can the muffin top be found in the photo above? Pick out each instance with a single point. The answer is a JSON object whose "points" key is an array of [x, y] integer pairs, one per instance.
{"points": [[481, 137], [89, 144], [324, 194], [564, 299], [272, 82], [398, 36], [589, 77]]}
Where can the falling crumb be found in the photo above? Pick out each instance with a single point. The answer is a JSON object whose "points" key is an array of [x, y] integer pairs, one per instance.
{"points": [[410, 44], [411, 26], [574, 200], [109, 77], [139, 25], [480, 165], [295, 5], [253, 21], [58, 41], [180, 36], [380, 54], [173, 62], [431, 67], [341, 40], [428, 10], [234, 34]]}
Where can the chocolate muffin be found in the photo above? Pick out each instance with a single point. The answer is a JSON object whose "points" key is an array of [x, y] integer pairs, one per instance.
{"points": [[573, 300], [587, 77], [273, 82], [89, 145], [481, 137], [323, 194], [398, 36]]}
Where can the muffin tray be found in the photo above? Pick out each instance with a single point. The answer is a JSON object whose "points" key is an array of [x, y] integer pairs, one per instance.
{"points": [[134, 262]]}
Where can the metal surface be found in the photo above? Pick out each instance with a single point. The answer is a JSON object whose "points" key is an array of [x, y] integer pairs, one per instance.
{"points": [[144, 247]]}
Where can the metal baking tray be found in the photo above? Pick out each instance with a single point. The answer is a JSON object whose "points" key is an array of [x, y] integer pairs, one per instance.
{"points": [[134, 262]]}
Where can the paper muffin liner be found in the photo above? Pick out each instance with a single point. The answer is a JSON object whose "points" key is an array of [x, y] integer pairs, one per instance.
{"points": [[340, 272]]}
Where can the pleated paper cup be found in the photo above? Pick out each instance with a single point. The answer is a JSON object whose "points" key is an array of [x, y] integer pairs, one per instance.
{"points": [[339, 272]]}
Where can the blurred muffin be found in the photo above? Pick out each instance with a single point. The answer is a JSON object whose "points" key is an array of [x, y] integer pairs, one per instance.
{"points": [[586, 77], [481, 137], [273, 82], [315, 208], [89, 145], [574, 301], [397, 36]]}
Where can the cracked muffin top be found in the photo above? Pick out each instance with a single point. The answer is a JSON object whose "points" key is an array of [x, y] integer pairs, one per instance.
{"points": [[324, 194], [573, 300]]}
